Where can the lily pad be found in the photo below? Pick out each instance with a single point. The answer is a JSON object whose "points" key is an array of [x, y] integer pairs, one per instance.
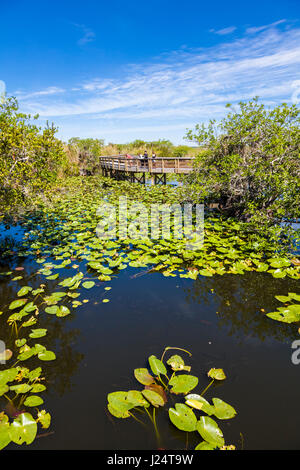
{"points": [[24, 291], [199, 403], [142, 375], [88, 284], [183, 417], [183, 383], [44, 418], [4, 431], [17, 303], [157, 366], [136, 398], [177, 363], [119, 401], [217, 374], [23, 429], [46, 356], [222, 410], [38, 333], [154, 398], [33, 400], [210, 431]]}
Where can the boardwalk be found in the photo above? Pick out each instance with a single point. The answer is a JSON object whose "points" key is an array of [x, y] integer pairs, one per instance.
{"points": [[135, 169]]}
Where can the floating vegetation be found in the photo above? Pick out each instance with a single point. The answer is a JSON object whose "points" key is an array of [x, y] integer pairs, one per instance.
{"points": [[290, 313], [61, 239], [186, 416]]}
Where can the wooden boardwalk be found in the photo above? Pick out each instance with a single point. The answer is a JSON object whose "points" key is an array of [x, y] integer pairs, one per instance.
{"points": [[134, 168]]}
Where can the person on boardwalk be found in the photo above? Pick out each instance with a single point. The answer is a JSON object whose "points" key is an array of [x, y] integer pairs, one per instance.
{"points": [[153, 159], [146, 158], [141, 156]]}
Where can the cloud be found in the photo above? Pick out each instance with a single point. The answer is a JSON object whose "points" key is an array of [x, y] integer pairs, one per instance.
{"points": [[171, 92], [224, 31], [255, 30], [48, 91], [88, 35]]}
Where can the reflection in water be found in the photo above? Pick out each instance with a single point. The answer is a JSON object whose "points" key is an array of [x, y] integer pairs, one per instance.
{"points": [[60, 337], [99, 345], [239, 300]]}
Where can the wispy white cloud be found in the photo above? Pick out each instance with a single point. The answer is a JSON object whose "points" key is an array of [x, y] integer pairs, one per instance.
{"points": [[48, 91], [257, 29], [224, 31], [87, 34], [185, 87]]}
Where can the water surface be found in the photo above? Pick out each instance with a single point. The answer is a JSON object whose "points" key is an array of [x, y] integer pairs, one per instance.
{"points": [[219, 319]]}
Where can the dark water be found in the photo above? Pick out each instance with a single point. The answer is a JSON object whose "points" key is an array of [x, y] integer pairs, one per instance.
{"points": [[99, 345]]}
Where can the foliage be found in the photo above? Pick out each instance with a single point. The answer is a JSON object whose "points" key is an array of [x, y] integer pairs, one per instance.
{"points": [[87, 150], [290, 313], [31, 158], [250, 163], [182, 415]]}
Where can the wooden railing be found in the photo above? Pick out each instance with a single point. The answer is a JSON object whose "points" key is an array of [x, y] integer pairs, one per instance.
{"points": [[149, 165]]}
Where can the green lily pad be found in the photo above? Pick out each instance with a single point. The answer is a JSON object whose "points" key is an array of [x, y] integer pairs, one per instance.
{"points": [[183, 417], [88, 284], [44, 418], [37, 388], [46, 356], [142, 375], [199, 403], [33, 400], [53, 310], [4, 432], [3, 389], [222, 410], [20, 388], [38, 333], [23, 429], [210, 431], [183, 383], [154, 398], [8, 375], [217, 374], [136, 398], [177, 363], [117, 413], [17, 303], [119, 401], [24, 291], [157, 366]]}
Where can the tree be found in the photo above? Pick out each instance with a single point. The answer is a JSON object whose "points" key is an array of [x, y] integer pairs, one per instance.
{"points": [[31, 158], [250, 163], [87, 150]]}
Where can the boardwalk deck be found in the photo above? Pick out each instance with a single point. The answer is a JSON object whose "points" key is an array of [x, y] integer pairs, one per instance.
{"points": [[134, 168]]}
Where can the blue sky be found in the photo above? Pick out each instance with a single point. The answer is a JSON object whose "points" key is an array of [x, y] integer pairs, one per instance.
{"points": [[125, 70]]}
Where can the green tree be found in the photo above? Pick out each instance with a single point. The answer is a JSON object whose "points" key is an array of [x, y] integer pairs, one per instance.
{"points": [[87, 150], [31, 158], [250, 163]]}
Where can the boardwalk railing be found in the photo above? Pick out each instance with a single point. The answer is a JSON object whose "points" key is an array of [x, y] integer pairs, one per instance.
{"points": [[136, 164]]}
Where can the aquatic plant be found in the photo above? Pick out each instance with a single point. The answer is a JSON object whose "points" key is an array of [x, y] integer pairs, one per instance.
{"points": [[290, 312], [158, 387], [71, 261]]}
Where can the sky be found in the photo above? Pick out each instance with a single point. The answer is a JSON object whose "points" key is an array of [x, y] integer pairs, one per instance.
{"points": [[126, 70]]}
